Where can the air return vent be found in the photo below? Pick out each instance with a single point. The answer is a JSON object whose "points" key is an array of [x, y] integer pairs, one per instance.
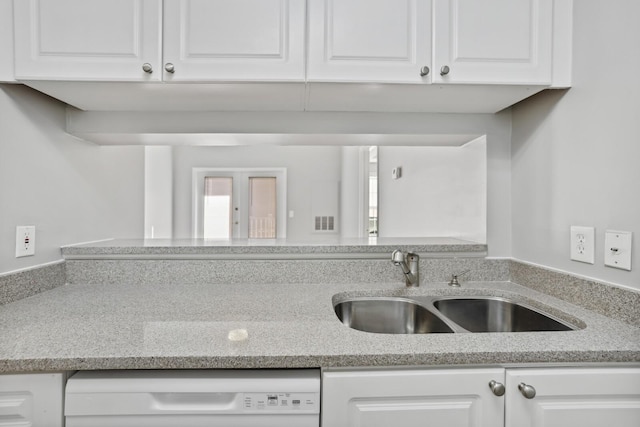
{"points": [[324, 223]]}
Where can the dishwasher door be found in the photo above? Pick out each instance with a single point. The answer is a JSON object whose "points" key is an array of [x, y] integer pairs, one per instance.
{"points": [[229, 398]]}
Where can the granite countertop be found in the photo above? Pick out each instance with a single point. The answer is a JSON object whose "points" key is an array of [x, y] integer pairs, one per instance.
{"points": [[187, 326], [322, 245]]}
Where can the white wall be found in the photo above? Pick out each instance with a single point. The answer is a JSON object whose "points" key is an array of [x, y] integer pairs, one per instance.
{"points": [[72, 191], [304, 166], [576, 155], [462, 213], [354, 189], [158, 192], [442, 191]]}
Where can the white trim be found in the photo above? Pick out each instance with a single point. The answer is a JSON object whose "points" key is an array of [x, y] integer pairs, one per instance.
{"points": [[561, 68], [34, 267], [158, 192], [363, 192], [70, 245], [513, 365]]}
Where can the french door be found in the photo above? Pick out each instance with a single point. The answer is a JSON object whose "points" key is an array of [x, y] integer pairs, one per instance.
{"points": [[239, 204]]}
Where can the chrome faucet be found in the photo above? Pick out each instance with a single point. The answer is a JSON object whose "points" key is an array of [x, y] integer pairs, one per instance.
{"points": [[410, 271]]}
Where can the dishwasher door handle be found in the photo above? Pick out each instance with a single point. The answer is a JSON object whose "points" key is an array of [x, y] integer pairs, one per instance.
{"points": [[196, 401]]}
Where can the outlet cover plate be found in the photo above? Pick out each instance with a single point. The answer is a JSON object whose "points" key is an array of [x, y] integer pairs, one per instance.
{"points": [[25, 240], [617, 249], [583, 244]]}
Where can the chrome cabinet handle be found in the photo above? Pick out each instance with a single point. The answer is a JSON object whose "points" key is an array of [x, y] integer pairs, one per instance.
{"points": [[424, 71], [169, 68], [444, 70], [147, 68], [527, 391], [496, 387]]}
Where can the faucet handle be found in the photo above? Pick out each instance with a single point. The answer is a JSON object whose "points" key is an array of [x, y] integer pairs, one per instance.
{"points": [[454, 279], [397, 256]]}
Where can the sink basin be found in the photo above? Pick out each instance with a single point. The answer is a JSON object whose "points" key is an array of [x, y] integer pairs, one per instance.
{"points": [[389, 316], [496, 315]]}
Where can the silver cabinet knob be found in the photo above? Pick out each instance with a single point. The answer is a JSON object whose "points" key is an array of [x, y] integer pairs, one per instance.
{"points": [[527, 391], [424, 71], [147, 68], [444, 70], [169, 68], [496, 387]]}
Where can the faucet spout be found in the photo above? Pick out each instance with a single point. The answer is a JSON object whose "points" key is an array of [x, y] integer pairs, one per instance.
{"points": [[410, 271]]}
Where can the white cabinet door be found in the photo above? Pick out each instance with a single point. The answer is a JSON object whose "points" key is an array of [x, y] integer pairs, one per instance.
{"points": [[574, 397], [233, 40], [411, 398], [369, 40], [87, 40], [493, 41], [7, 73], [33, 400]]}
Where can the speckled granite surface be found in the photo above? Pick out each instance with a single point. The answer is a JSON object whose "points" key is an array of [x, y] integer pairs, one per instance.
{"points": [[340, 247], [278, 271], [622, 304], [167, 326], [15, 286]]}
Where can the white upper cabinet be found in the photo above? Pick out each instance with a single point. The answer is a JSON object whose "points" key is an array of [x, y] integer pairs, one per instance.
{"points": [[493, 41], [440, 56], [87, 40], [135, 40], [467, 41], [260, 40], [385, 41]]}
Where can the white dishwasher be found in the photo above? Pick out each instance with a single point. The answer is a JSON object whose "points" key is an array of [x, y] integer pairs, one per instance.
{"points": [[185, 398]]}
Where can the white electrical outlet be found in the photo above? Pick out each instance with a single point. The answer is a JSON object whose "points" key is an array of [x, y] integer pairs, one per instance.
{"points": [[617, 249], [583, 244], [25, 240]]}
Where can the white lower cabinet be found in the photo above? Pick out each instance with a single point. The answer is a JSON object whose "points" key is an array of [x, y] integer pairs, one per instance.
{"points": [[465, 397], [585, 397], [31, 400], [408, 398]]}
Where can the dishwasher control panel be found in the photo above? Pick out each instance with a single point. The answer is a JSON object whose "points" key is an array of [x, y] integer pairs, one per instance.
{"points": [[281, 402]]}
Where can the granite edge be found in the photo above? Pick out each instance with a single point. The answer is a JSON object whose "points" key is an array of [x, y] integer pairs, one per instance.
{"points": [[611, 301], [320, 361], [137, 272], [26, 283], [168, 251]]}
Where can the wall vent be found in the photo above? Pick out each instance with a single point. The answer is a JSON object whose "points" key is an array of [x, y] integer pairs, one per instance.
{"points": [[324, 223]]}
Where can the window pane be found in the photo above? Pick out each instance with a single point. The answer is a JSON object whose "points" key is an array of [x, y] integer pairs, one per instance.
{"points": [[217, 207], [262, 208]]}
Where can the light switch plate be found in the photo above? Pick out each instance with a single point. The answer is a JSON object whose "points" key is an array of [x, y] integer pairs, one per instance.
{"points": [[396, 173], [617, 249], [583, 244]]}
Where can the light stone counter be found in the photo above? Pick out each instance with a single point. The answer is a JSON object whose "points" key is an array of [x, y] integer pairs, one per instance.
{"points": [[178, 326], [328, 246]]}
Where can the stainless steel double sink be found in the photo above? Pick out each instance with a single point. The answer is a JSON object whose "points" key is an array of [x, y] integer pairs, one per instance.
{"points": [[444, 314]]}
